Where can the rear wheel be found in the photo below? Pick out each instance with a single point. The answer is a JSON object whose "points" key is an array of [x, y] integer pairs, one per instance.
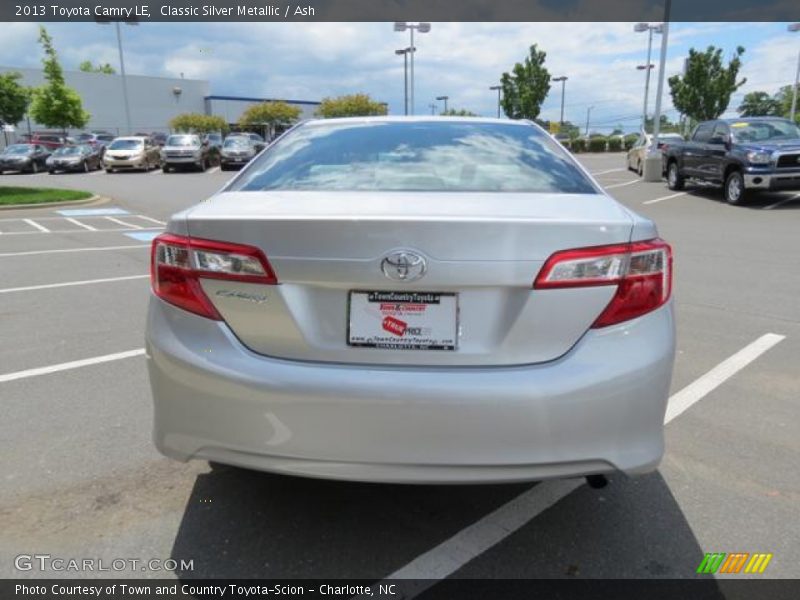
{"points": [[675, 180], [34, 167], [735, 192], [86, 166]]}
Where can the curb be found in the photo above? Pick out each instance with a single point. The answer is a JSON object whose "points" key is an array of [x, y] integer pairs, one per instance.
{"points": [[96, 199]]}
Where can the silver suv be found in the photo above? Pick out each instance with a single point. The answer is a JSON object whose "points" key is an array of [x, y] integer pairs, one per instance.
{"points": [[188, 150]]}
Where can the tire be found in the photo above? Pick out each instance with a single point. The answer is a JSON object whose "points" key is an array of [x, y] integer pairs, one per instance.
{"points": [[109, 170], [34, 167], [165, 169], [86, 166], [51, 172], [675, 180], [734, 190]]}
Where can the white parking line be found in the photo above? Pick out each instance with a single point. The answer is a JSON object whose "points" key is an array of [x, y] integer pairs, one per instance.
{"points": [[469, 543], [152, 220], [84, 225], [47, 286], [67, 250], [607, 171], [782, 202], [616, 185], [213, 170], [75, 364], [33, 223], [654, 200], [123, 223]]}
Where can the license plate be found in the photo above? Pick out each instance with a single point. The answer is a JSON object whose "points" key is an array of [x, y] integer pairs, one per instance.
{"points": [[403, 320]]}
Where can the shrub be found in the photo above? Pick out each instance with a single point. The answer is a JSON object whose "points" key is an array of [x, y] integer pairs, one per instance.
{"points": [[614, 144], [578, 145], [597, 144], [630, 140]]}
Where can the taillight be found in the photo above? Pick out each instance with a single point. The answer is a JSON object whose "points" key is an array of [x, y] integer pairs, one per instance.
{"points": [[178, 263], [642, 272]]}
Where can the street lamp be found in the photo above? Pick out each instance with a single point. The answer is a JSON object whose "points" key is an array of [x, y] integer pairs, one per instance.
{"points": [[432, 106], [122, 71], [588, 113], [563, 80], [405, 52], [445, 98], [650, 29], [422, 28], [652, 162], [498, 88], [793, 28]]}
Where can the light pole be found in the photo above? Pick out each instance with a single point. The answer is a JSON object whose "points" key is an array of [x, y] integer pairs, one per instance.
{"points": [[445, 98], [432, 106], [405, 52], [650, 29], [498, 88], [122, 72], [795, 27], [563, 80], [422, 28], [588, 113], [652, 162]]}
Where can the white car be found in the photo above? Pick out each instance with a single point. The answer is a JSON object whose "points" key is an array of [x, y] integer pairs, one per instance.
{"points": [[412, 300]]}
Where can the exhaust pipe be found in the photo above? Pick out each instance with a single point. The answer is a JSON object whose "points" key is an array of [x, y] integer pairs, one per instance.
{"points": [[597, 481]]}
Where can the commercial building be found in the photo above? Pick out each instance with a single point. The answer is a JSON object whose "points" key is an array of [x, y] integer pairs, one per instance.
{"points": [[154, 101]]}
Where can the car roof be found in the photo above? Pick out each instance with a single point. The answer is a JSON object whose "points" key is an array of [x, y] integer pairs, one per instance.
{"points": [[753, 119], [421, 119], [139, 138]]}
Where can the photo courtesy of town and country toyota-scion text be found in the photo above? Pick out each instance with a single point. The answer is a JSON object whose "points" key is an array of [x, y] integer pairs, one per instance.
{"points": [[399, 299]]}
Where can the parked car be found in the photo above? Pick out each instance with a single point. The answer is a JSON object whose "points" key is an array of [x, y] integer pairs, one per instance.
{"points": [[236, 152], [214, 139], [131, 152], [75, 158], [98, 140], [744, 156], [51, 141], [428, 300], [634, 160], [23, 157], [188, 150], [258, 141]]}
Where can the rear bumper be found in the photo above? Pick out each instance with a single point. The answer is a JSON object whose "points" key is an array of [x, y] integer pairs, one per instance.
{"points": [[600, 408]]}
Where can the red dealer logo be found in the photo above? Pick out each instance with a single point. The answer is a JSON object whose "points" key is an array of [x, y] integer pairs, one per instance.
{"points": [[395, 326]]}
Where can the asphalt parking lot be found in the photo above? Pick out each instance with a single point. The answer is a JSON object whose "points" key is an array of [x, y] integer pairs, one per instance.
{"points": [[82, 479]]}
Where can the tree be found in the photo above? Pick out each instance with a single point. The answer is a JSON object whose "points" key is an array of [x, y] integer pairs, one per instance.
{"points": [[269, 115], [14, 99], [784, 99], [198, 123], [87, 67], [664, 125], [452, 112], [55, 104], [705, 89], [759, 104], [351, 105], [526, 87]]}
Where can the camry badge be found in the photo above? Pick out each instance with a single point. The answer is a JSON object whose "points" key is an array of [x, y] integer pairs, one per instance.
{"points": [[403, 265]]}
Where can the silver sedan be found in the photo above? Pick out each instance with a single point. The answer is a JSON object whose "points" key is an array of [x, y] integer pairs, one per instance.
{"points": [[412, 300]]}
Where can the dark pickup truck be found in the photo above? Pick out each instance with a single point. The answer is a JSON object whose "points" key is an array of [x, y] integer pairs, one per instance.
{"points": [[743, 155]]}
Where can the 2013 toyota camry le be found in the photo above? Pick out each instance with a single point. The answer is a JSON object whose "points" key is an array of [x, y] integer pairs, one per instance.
{"points": [[441, 300]]}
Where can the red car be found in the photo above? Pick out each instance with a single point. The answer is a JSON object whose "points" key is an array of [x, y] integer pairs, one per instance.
{"points": [[51, 141]]}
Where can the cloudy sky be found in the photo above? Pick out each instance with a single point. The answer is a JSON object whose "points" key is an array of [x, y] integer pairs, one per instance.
{"points": [[308, 61]]}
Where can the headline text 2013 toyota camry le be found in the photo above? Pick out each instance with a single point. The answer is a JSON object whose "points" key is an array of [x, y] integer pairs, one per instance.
{"points": [[412, 300]]}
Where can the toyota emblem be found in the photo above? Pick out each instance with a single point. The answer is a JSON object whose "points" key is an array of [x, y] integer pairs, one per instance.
{"points": [[403, 266]]}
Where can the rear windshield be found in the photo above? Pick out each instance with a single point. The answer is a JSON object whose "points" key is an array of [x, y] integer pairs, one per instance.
{"points": [[126, 145], [436, 156], [183, 140]]}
